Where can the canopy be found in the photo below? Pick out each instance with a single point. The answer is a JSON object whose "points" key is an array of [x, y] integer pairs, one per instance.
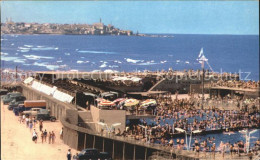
{"points": [[106, 94], [106, 103], [89, 94], [28, 80], [131, 102], [149, 102]]}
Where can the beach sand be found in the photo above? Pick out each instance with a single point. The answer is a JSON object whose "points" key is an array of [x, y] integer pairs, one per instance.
{"points": [[16, 140]]}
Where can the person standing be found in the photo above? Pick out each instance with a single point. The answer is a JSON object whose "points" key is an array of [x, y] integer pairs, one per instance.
{"points": [[69, 154], [50, 135], [53, 137], [45, 135], [42, 136], [34, 136], [34, 122], [27, 122], [23, 119], [30, 124], [41, 124], [61, 133]]}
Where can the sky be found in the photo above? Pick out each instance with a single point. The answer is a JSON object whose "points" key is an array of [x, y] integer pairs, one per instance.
{"points": [[175, 17]]}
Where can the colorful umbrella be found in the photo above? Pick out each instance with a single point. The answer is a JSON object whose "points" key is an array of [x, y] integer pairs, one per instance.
{"points": [[149, 102], [106, 103], [119, 100], [131, 102]]}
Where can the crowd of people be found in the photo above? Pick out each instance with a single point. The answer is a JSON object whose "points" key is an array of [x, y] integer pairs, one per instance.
{"points": [[31, 123], [238, 84], [184, 113]]}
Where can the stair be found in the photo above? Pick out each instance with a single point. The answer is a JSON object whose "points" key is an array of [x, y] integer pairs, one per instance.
{"points": [[156, 84], [86, 120]]}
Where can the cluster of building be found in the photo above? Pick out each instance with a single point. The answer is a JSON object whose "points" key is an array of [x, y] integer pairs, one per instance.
{"points": [[10, 27]]}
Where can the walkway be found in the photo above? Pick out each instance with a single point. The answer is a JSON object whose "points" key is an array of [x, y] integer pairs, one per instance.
{"points": [[16, 140]]}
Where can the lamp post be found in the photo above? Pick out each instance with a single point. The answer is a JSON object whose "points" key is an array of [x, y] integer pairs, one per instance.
{"points": [[75, 98], [247, 136], [182, 130], [196, 131], [109, 128], [145, 130], [253, 131]]}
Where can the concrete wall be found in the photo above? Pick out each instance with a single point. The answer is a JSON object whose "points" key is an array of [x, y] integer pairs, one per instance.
{"points": [[56, 107], [109, 117]]}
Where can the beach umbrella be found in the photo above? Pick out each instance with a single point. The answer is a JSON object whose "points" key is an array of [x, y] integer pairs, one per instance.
{"points": [[119, 100], [106, 103], [148, 102], [131, 102], [100, 99]]}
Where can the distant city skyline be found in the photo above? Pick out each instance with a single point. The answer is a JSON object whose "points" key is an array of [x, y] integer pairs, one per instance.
{"points": [[173, 17]]}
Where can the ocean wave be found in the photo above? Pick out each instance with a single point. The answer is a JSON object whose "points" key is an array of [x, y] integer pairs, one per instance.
{"points": [[187, 62], [12, 44], [34, 57], [46, 65], [24, 50], [113, 66], [178, 61], [133, 60], [44, 48], [146, 63], [96, 52], [79, 62], [63, 66], [67, 54], [26, 45], [163, 61], [103, 65], [9, 58], [60, 61], [13, 59], [19, 60], [116, 61], [4, 54]]}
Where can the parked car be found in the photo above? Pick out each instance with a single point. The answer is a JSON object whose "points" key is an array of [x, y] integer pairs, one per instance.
{"points": [[14, 104], [93, 154], [10, 96], [35, 111], [45, 116], [3, 91]]}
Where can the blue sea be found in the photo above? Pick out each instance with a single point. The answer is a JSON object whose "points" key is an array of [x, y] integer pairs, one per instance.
{"points": [[225, 53]]}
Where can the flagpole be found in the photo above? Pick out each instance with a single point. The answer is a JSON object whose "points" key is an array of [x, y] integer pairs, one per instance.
{"points": [[202, 84]]}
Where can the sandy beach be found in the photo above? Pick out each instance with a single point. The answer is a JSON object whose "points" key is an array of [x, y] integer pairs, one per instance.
{"points": [[16, 140]]}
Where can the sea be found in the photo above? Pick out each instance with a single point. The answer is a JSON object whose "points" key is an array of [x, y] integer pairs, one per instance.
{"points": [[225, 53]]}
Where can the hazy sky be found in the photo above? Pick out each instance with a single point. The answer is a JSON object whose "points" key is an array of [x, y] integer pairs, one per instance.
{"points": [[201, 17]]}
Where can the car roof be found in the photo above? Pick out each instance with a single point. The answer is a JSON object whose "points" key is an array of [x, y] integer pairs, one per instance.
{"points": [[90, 149], [16, 95]]}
